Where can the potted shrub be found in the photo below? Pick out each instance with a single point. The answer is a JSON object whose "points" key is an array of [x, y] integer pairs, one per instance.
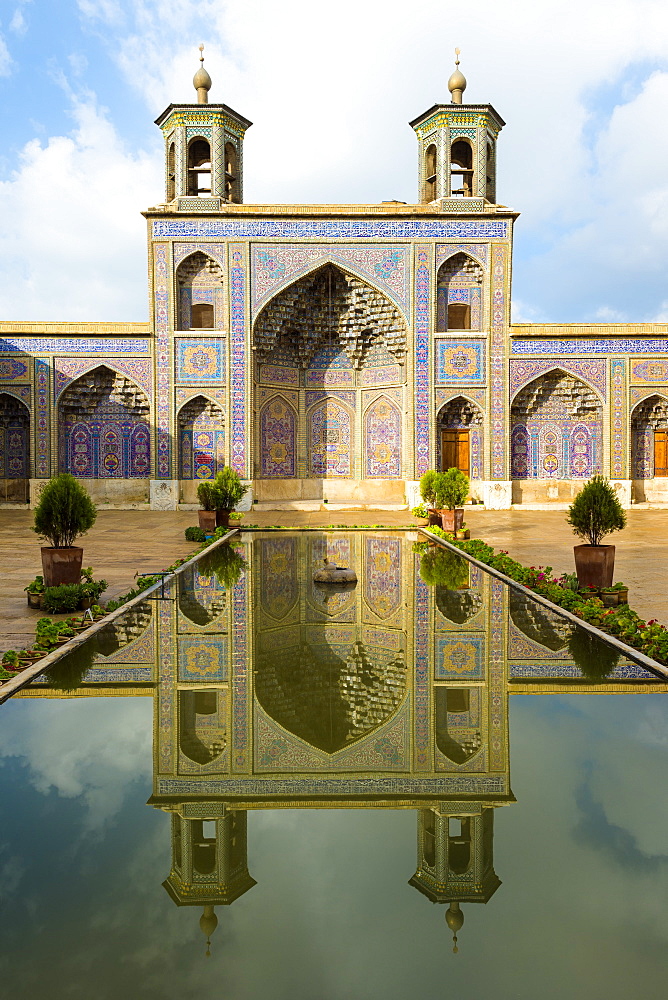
{"points": [[442, 568], [452, 489], [428, 493], [207, 496], [229, 491], [64, 511], [595, 513]]}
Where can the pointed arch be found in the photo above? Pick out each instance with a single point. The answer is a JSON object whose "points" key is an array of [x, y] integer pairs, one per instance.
{"points": [[103, 427], [382, 437], [278, 438], [459, 302], [199, 284], [649, 437], [460, 429], [201, 433], [330, 439], [14, 447], [556, 428], [563, 369]]}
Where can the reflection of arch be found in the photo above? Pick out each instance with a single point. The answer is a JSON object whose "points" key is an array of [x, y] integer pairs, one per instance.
{"points": [[459, 425], [459, 294], [199, 281], [458, 606], [278, 421], [103, 427], [538, 624], [201, 597], [457, 731], [201, 725], [14, 445], [649, 437], [382, 440], [330, 432], [556, 428], [277, 580], [201, 438]]}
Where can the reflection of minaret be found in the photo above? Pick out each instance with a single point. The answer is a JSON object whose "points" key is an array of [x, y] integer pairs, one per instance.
{"points": [[455, 857], [209, 859]]}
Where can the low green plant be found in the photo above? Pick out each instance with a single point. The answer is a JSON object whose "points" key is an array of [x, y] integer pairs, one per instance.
{"points": [[10, 658], [596, 511], [64, 511], [35, 586], [195, 534], [65, 597], [442, 568], [420, 511]]}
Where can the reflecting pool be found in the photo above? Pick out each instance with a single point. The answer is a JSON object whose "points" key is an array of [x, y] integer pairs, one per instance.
{"points": [[321, 764]]}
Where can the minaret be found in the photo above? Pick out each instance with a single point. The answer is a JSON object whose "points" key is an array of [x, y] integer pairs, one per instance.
{"points": [[203, 151], [457, 150]]}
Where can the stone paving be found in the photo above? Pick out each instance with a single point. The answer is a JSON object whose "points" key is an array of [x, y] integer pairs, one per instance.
{"points": [[124, 542]]}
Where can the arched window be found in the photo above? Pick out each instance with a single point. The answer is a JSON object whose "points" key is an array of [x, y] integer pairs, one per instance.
{"points": [[201, 439], [171, 173], [649, 438], [430, 173], [459, 294], [461, 169], [231, 174], [200, 281], [459, 316], [199, 168]]}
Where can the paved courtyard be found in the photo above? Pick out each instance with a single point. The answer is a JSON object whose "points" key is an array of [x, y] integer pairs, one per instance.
{"points": [[124, 542]]}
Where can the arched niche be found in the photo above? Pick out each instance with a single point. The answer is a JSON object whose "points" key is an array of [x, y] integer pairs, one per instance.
{"points": [[556, 429], [459, 294], [199, 280], [201, 598], [277, 439], [103, 427], [458, 724], [459, 432], [232, 186], [202, 724], [382, 438], [14, 449], [649, 438], [330, 431], [201, 438], [461, 168], [430, 173]]}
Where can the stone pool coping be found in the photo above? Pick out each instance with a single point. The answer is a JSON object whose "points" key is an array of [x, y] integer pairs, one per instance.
{"points": [[23, 679], [612, 640]]}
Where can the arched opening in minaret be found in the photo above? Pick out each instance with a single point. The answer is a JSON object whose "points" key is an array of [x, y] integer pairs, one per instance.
{"points": [[461, 169], [490, 186], [171, 172], [324, 348], [430, 173], [556, 429], [103, 423], [459, 294], [231, 174], [199, 168], [649, 438], [459, 844], [14, 449], [459, 427], [199, 280]]}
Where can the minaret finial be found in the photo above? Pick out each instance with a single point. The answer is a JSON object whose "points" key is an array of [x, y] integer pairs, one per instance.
{"points": [[457, 82], [202, 80]]}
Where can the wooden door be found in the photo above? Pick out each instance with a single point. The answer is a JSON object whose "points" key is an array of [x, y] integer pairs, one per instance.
{"points": [[455, 450], [661, 453]]}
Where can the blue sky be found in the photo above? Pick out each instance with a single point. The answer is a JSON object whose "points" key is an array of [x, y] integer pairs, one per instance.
{"points": [[582, 85]]}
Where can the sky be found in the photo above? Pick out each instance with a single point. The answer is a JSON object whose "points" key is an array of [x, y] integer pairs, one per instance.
{"points": [[582, 85]]}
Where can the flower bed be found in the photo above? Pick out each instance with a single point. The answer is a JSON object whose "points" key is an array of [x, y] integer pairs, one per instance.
{"points": [[649, 637]]}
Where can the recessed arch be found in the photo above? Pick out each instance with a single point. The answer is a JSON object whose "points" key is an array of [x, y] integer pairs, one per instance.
{"points": [[459, 430], [556, 428], [331, 426], [103, 426], [382, 439], [459, 298], [277, 424], [14, 448], [649, 437], [199, 166], [201, 432], [199, 285], [564, 369]]}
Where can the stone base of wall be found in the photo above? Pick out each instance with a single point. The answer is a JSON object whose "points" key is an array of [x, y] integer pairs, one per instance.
{"points": [[114, 492], [530, 492], [366, 492], [650, 490], [188, 495]]}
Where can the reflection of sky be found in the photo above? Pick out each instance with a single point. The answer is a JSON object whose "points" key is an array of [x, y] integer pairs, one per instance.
{"points": [[583, 857]]}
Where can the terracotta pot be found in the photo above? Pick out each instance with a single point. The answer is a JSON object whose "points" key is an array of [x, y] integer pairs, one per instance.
{"points": [[434, 517], [61, 565], [85, 603], [594, 565], [623, 596], [452, 520], [223, 518], [34, 600], [207, 520], [610, 600]]}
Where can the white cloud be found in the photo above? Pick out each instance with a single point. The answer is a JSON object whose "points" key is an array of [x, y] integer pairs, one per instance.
{"points": [[5, 58]]}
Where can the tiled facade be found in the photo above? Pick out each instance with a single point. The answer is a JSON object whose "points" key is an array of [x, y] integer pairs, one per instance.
{"points": [[353, 405]]}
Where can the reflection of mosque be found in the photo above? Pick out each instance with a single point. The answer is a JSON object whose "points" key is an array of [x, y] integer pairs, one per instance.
{"points": [[393, 694]]}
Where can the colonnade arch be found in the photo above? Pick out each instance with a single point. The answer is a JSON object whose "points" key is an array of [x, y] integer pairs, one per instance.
{"points": [[459, 436]]}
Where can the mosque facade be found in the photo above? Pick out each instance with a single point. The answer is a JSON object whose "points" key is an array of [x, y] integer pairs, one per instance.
{"points": [[332, 352]]}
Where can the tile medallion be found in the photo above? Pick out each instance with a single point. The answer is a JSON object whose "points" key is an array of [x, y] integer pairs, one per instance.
{"points": [[199, 360], [460, 361]]}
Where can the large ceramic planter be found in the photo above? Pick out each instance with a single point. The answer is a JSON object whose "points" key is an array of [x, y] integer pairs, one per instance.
{"points": [[594, 565], [207, 520], [452, 520], [434, 517], [223, 518], [61, 565]]}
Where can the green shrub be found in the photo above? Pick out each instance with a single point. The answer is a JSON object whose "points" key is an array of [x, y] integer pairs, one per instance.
{"points": [[452, 489], [428, 486], [230, 490], [207, 495], [442, 568], [64, 511], [420, 511], [225, 563], [66, 597], [195, 534], [596, 511], [35, 586]]}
